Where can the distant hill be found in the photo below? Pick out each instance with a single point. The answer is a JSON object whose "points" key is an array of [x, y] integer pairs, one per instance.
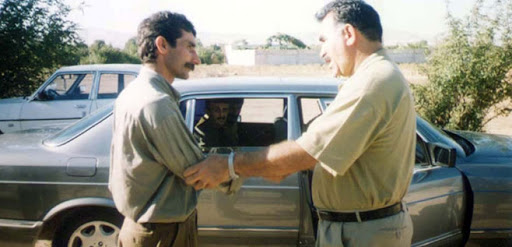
{"points": [[118, 39]]}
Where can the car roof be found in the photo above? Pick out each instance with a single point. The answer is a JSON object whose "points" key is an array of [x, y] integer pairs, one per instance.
{"points": [[240, 85], [102, 67]]}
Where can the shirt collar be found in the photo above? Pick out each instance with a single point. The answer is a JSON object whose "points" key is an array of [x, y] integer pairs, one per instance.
{"points": [[366, 63], [368, 60], [160, 82]]}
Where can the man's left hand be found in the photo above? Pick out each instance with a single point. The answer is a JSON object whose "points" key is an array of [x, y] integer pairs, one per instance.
{"points": [[208, 173]]}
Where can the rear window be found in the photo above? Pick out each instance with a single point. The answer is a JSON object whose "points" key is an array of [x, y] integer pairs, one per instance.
{"points": [[79, 127]]}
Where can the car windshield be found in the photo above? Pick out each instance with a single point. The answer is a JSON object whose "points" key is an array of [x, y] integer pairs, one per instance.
{"points": [[79, 127], [433, 134]]}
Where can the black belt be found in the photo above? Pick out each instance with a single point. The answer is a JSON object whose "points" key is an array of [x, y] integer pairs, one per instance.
{"points": [[363, 216]]}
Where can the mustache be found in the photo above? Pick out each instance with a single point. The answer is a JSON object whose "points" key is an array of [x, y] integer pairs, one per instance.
{"points": [[191, 66]]}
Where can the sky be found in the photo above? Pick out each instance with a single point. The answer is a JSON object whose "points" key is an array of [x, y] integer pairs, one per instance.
{"points": [[225, 21]]}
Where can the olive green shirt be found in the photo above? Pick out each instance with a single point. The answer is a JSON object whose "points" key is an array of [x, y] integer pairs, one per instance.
{"points": [[365, 140], [151, 148]]}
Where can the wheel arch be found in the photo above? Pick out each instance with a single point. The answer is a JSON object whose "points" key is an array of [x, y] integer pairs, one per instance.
{"points": [[80, 202], [57, 215]]}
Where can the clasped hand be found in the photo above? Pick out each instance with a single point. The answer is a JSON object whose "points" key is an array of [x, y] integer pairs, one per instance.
{"points": [[213, 171]]}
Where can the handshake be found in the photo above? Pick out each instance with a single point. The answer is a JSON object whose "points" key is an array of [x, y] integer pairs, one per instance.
{"points": [[273, 163], [217, 169]]}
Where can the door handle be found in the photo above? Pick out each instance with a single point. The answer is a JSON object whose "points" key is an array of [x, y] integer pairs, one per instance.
{"points": [[80, 106]]}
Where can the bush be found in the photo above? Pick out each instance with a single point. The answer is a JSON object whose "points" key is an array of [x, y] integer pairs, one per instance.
{"points": [[212, 54], [99, 52], [467, 72]]}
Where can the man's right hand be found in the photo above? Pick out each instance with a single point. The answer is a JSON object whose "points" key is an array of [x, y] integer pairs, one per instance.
{"points": [[208, 173]]}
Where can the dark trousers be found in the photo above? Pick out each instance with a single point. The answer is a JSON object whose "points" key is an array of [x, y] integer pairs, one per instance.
{"points": [[180, 234]]}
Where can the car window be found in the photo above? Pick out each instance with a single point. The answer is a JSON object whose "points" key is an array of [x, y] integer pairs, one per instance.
{"points": [[432, 134], [421, 158], [79, 127], [310, 109], [240, 122], [69, 87], [111, 84]]}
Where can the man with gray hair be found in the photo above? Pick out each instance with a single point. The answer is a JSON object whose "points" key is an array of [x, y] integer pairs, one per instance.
{"points": [[362, 148], [151, 145]]}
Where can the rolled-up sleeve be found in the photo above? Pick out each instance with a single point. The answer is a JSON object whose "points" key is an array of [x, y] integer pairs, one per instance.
{"points": [[339, 136]]}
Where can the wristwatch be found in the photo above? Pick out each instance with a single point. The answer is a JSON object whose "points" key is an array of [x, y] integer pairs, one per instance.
{"points": [[231, 167]]}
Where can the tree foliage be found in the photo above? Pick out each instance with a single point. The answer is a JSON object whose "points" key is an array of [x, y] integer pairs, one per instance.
{"points": [[100, 52], [35, 38], [467, 72], [130, 47], [212, 54], [284, 41]]}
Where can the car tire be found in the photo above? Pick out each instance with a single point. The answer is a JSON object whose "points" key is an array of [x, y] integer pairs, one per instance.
{"points": [[89, 228]]}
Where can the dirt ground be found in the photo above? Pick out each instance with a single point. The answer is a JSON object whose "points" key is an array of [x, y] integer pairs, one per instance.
{"points": [[500, 125]]}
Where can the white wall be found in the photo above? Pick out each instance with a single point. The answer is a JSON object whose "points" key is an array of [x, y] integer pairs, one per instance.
{"points": [[407, 56], [276, 57], [240, 57]]}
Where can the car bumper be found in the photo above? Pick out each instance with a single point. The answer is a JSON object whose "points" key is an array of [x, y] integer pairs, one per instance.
{"points": [[19, 232]]}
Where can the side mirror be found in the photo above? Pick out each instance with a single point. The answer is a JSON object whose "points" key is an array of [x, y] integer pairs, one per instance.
{"points": [[441, 154]]}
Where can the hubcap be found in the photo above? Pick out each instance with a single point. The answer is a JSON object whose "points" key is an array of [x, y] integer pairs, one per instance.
{"points": [[95, 234]]}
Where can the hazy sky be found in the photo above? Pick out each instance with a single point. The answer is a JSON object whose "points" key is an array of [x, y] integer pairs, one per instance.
{"points": [[222, 20]]}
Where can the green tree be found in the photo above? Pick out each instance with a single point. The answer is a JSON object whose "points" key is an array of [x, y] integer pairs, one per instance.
{"points": [[212, 54], [467, 72], [130, 47], [100, 52], [35, 39], [284, 41]]}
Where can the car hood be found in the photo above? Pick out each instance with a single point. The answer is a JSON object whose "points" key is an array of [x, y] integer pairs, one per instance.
{"points": [[488, 145], [12, 100]]}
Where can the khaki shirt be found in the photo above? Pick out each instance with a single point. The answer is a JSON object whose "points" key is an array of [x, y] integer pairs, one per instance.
{"points": [[151, 147], [365, 140]]}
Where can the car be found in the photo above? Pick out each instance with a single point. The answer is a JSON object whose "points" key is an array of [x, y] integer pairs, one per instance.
{"points": [[69, 94], [54, 185]]}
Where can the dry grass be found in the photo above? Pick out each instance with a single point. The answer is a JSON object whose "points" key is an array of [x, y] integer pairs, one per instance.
{"points": [[500, 125]]}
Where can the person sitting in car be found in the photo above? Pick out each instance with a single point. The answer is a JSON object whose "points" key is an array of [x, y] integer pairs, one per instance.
{"points": [[214, 129]]}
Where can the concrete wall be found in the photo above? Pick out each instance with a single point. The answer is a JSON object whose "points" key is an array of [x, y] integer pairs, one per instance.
{"points": [[407, 56], [276, 57], [240, 57]]}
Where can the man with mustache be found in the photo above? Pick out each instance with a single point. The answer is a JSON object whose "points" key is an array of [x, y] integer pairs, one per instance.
{"points": [[151, 146], [215, 129], [361, 149]]}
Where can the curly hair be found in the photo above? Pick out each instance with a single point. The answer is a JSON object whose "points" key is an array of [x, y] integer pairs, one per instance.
{"points": [[356, 13], [164, 23]]}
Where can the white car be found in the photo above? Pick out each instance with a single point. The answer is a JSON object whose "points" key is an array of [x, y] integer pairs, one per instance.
{"points": [[67, 96]]}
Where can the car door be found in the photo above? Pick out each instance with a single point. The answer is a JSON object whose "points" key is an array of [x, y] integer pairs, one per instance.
{"points": [[110, 84], [63, 99], [261, 212], [435, 199]]}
